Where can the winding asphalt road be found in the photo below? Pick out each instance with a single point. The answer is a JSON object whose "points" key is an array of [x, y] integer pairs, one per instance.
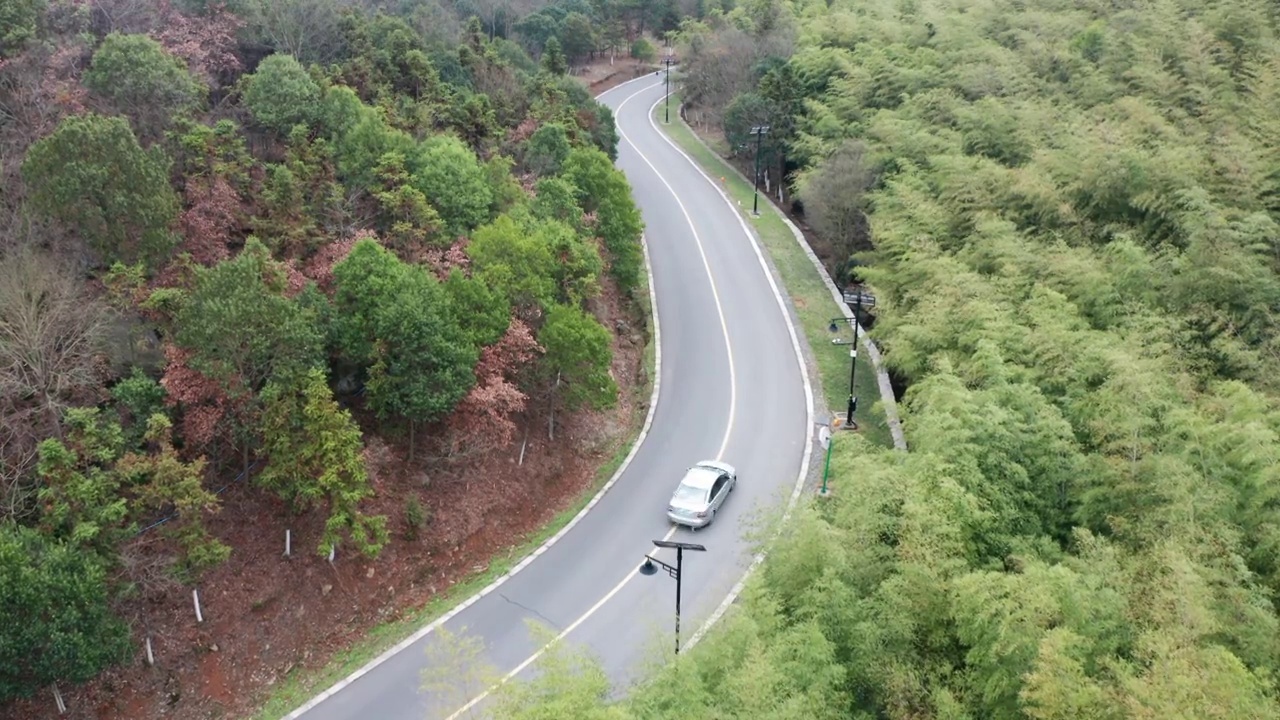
{"points": [[731, 386]]}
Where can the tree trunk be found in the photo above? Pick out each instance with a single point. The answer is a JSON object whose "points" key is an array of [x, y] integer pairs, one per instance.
{"points": [[551, 417], [55, 417]]}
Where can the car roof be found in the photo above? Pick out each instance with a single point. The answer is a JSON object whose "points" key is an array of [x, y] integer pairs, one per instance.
{"points": [[701, 476]]}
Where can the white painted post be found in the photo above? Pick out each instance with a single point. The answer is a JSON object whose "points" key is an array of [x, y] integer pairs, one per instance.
{"points": [[288, 546], [57, 698], [151, 658], [195, 597], [523, 443], [333, 549]]}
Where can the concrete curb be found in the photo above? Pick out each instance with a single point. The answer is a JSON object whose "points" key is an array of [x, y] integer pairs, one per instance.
{"points": [[889, 402]]}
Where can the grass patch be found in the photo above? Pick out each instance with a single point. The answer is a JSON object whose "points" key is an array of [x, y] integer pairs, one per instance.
{"points": [[302, 684], [809, 295]]}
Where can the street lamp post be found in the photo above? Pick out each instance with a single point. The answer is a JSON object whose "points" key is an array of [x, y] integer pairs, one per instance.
{"points": [[858, 298], [668, 89], [650, 567], [759, 131]]}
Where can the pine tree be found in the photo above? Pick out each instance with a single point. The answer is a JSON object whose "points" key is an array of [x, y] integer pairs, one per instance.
{"points": [[313, 450], [553, 60]]}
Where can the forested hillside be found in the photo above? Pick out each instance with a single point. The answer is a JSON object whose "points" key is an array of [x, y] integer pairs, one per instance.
{"points": [[1069, 212], [304, 266]]}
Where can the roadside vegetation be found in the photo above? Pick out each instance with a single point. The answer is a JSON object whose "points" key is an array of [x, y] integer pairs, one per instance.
{"points": [[1068, 212], [302, 266]]}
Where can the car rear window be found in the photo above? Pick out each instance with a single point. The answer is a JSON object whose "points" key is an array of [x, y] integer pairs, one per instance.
{"points": [[686, 493]]}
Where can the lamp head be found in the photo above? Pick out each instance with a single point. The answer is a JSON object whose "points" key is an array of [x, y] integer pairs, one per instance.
{"points": [[648, 568], [832, 327]]}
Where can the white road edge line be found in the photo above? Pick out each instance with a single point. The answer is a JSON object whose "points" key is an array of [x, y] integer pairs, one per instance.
{"points": [[644, 432], [728, 430], [804, 378]]}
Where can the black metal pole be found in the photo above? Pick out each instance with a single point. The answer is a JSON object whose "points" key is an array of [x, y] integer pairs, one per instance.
{"points": [[668, 90], [853, 361], [679, 565], [755, 202]]}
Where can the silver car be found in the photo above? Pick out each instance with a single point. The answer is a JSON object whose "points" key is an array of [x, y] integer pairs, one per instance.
{"points": [[701, 493]]}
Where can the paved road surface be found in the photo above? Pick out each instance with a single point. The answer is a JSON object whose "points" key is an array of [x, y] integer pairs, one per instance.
{"points": [[731, 387]]}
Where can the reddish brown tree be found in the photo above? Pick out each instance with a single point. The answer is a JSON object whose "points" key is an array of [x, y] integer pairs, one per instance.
{"points": [[41, 86], [204, 404], [214, 213], [482, 421], [294, 279], [207, 43], [442, 261], [522, 131], [320, 266]]}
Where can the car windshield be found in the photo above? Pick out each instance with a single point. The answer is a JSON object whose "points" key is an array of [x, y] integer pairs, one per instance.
{"points": [[690, 494]]}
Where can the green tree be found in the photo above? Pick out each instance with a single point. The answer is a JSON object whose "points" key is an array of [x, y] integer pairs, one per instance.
{"points": [[19, 18], [302, 201], [473, 117], [143, 81], [535, 29], [557, 199], [408, 220], [80, 494], [92, 175], [643, 51], [506, 189], [365, 140], [315, 456], [243, 329], [165, 481], [424, 362], [577, 261], [553, 60], [365, 282], [138, 397], [1060, 688], [603, 189], [59, 625], [546, 150], [514, 262], [486, 312], [399, 323], [280, 94], [452, 179], [604, 131], [577, 37], [578, 358]]}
